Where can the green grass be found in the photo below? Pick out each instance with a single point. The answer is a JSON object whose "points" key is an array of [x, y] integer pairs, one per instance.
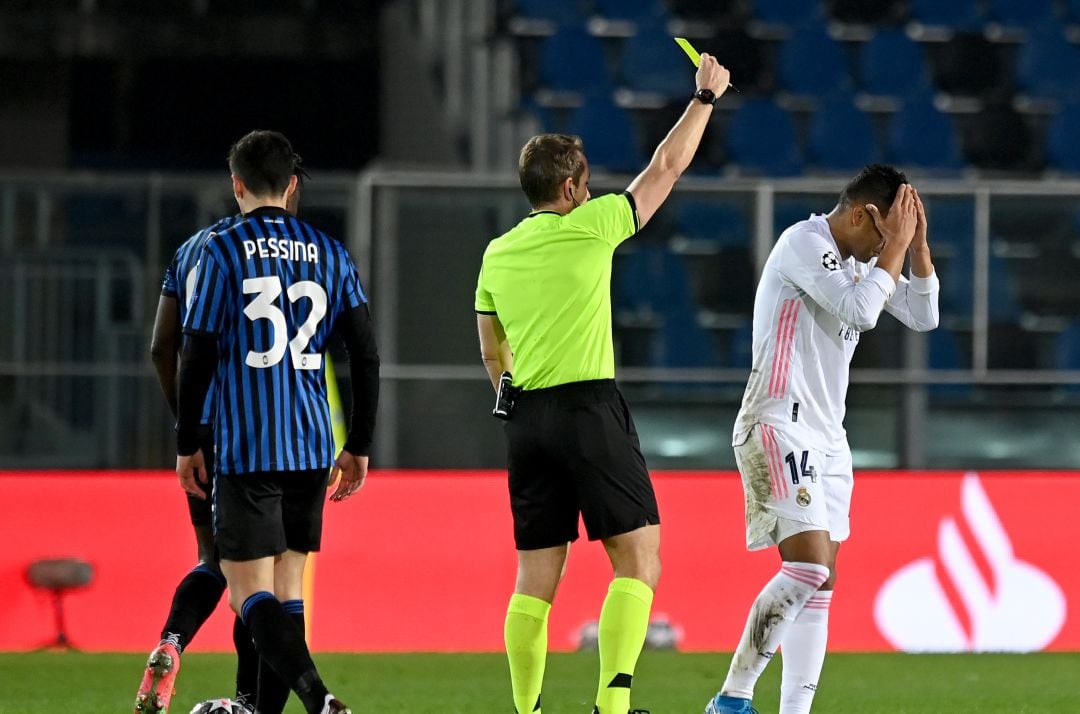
{"points": [[666, 683]]}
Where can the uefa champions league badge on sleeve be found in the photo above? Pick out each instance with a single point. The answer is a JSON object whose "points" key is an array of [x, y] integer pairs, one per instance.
{"points": [[802, 497], [830, 262]]}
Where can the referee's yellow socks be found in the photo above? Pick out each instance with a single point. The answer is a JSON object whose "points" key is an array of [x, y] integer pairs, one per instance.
{"points": [[526, 649], [623, 622]]}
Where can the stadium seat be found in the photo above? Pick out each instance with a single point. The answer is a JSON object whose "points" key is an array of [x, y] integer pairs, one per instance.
{"points": [[741, 351], [841, 137], [708, 10], [1072, 10], [609, 135], [562, 12], [968, 64], [1062, 146], [650, 278], [684, 343], [891, 64], [791, 13], [653, 11], [956, 14], [921, 136], [761, 138], [1048, 66], [1022, 13], [651, 62], [943, 352], [1068, 347], [789, 210], [952, 224], [997, 138], [572, 60], [866, 12], [723, 224], [815, 51]]}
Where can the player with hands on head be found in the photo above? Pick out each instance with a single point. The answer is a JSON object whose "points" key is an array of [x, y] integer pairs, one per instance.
{"points": [[826, 281], [543, 304]]}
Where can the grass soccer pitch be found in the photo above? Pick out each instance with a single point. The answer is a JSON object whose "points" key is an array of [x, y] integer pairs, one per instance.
{"points": [[665, 683]]}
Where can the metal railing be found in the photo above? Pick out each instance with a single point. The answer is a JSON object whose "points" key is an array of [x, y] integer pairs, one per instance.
{"points": [[83, 256]]}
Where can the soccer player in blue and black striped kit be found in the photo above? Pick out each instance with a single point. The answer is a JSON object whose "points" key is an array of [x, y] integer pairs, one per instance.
{"points": [[269, 292]]}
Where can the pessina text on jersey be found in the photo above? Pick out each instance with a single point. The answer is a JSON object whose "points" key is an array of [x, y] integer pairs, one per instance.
{"points": [[281, 248]]}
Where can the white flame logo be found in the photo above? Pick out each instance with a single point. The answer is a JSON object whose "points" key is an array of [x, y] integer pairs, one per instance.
{"points": [[970, 599]]}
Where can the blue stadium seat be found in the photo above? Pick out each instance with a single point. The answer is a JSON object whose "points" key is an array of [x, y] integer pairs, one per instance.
{"points": [[609, 135], [1048, 66], [841, 137], [685, 343], [1072, 10], [956, 288], [1022, 13], [1062, 147], [761, 138], [573, 60], [741, 353], [651, 62], [952, 223], [1068, 347], [957, 14], [943, 352], [789, 210], [723, 224], [813, 63], [793, 13], [921, 136], [567, 12], [891, 64], [649, 277], [638, 10]]}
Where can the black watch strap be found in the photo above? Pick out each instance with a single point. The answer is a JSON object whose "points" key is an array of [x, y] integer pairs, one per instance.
{"points": [[705, 96]]}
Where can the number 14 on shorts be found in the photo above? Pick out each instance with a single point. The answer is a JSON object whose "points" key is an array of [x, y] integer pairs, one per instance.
{"points": [[803, 470]]}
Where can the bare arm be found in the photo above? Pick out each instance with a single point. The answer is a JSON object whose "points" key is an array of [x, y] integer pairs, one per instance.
{"points": [[494, 348], [164, 347], [652, 187]]}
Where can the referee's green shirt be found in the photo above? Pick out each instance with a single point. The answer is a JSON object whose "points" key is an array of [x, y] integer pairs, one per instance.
{"points": [[549, 281]]}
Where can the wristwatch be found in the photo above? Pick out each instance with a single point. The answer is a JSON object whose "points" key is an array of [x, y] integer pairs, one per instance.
{"points": [[705, 96]]}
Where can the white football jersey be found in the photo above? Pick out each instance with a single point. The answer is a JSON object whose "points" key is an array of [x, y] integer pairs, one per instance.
{"points": [[809, 311]]}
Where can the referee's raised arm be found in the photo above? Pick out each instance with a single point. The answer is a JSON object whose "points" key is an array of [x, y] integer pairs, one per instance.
{"points": [[651, 187]]}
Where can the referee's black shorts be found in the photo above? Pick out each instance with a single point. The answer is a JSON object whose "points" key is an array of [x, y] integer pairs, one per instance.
{"points": [[574, 449], [265, 513]]}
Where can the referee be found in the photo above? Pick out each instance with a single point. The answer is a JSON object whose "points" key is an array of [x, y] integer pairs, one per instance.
{"points": [[269, 293], [543, 304]]}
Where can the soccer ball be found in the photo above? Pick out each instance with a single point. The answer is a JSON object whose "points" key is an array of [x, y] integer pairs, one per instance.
{"points": [[220, 706]]}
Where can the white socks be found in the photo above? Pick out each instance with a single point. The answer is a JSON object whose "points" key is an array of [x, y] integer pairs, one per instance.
{"points": [[803, 652], [771, 616]]}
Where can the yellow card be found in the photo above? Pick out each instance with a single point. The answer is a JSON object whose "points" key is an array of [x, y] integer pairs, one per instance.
{"points": [[689, 50]]}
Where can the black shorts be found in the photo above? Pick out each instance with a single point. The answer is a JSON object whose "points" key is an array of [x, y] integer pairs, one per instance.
{"points": [[265, 513], [201, 510], [574, 449]]}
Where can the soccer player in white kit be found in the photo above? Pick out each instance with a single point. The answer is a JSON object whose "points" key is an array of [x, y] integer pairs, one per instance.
{"points": [[825, 283]]}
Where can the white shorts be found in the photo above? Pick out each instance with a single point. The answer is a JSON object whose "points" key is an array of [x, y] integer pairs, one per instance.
{"points": [[792, 487]]}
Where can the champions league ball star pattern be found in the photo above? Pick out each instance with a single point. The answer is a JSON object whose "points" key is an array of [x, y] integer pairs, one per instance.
{"points": [[830, 262]]}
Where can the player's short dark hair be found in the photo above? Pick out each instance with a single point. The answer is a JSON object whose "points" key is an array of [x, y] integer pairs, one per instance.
{"points": [[876, 184], [546, 161], [264, 161]]}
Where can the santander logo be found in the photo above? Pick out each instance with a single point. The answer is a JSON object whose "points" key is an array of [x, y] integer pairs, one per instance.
{"points": [[973, 594]]}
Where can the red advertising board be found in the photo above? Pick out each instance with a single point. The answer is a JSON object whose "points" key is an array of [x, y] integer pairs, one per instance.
{"points": [[423, 560]]}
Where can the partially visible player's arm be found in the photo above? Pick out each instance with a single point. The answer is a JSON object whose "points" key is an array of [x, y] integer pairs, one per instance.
{"points": [[351, 465], [915, 302], [197, 365], [674, 154], [354, 327], [164, 346], [810, 263], [494, 347]]}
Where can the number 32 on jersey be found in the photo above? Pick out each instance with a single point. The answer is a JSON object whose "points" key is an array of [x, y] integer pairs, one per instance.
{"points": [[267, 291]]}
